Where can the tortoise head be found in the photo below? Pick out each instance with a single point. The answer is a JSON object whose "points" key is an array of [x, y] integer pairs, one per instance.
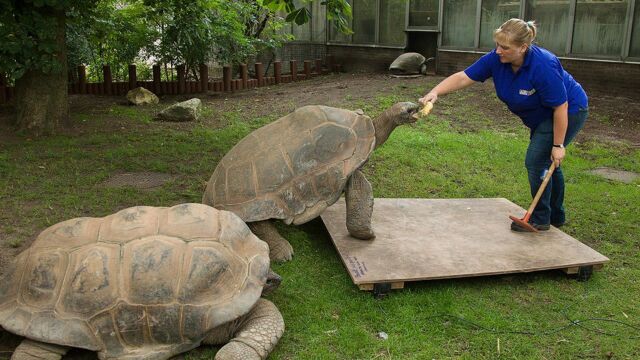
{"points": [[402, 112], [273, 281]]}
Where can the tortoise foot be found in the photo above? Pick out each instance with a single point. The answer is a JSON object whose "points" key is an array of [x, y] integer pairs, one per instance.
{"points": [[279, 248]]}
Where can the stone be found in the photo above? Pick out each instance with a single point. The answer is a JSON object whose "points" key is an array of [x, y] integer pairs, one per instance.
{"points": [[142, 96], [181, 112]]}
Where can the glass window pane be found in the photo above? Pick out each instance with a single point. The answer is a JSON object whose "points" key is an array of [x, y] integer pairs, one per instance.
{"points": [[319, 23], [335, 35], [392, 18], [364, 21], [495, 13], [423, 13], [599, 27], [459, 23], [552, 20], [635, 35]]}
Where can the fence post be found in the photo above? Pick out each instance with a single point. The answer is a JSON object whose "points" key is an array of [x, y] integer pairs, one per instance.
{"points": [[259, 73], [319, 66], [307, 69], [294, 70], [277, 71], [226, 78], [156, 79], [133, 77], [106, 72], [3, 89], [181, 85], [204, 77], [330, 62], [82, 79], [244, 73]]}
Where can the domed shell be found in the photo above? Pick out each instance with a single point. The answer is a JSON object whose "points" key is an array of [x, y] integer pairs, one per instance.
{"points": [[407, 63], [141, 277], [293, 168]]}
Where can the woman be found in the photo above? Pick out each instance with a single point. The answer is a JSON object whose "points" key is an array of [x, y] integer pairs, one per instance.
{"points": [[535, 87]]}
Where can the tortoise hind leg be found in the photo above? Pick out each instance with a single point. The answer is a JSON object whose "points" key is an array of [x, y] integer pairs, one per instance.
{"points": [[256, 335], [35, 350], [359, 198], [279, 248]]}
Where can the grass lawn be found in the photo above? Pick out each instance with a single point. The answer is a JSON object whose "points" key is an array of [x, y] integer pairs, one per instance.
{"points": [[461, 151]]}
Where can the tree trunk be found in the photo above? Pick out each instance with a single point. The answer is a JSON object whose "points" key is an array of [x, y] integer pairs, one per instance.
{"points": [[42, 100]]}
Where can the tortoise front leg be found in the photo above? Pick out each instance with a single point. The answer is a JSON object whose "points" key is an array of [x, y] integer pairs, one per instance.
{"points": [[279, 248], [359, 198], [256, 336], [35, 350]]}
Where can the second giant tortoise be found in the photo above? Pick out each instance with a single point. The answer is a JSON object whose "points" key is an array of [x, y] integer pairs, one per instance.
{"points": [[144, 283], [297, 166], [410, 63]]}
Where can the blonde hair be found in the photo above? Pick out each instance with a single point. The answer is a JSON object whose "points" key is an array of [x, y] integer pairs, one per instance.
{"points": [[516, 31]]}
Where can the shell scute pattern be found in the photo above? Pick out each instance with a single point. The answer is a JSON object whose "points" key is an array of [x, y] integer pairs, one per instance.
{"points": [[293, 168]]}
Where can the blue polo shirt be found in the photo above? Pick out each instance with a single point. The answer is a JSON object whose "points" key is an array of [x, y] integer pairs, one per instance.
{"points": [[531, 93]]}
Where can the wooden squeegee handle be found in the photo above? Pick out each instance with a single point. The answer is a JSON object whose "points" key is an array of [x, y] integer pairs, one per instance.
{"points": [[542, 187]]}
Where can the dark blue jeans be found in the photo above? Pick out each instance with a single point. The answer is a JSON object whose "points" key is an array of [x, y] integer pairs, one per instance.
{"points": [[550, 208]]}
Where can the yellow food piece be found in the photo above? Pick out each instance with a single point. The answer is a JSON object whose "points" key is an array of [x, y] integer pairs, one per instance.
{"points": [[426, 109]]}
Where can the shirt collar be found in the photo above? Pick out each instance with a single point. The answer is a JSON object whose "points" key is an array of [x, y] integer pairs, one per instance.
{"points": [[528, 56]]}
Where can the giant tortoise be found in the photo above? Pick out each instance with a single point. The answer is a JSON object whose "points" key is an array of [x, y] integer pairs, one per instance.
{"points": [[295, 167], [410, 63], [144, 283]]}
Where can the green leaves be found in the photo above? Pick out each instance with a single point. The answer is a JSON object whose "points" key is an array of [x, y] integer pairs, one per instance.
{"points": [[299, 16], [28, 34], [121, 32]]}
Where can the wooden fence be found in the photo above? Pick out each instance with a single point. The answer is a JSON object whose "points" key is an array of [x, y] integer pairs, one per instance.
{"points": [[182, 86]]}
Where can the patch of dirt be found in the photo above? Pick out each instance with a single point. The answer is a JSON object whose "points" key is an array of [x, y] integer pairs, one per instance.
{"points": [[140, 180], [618, 175], [611, 118]]}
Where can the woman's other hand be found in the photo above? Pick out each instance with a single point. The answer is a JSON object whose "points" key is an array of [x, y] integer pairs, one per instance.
{"points": [[557, 155]]}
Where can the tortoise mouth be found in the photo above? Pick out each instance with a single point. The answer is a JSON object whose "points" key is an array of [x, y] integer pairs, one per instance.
{"points": [[414, 114]]}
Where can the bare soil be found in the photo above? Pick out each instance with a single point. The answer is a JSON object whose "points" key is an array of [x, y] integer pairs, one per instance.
{"points": [[612, 119]]}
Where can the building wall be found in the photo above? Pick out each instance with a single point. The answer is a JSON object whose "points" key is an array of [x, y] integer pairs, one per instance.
{"points": [[365, 59], [618, 79], [300, 52]]}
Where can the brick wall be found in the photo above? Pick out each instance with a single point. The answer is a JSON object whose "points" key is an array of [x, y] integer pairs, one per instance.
{"points": [[604, 77], [611, 78], [365, 59]]}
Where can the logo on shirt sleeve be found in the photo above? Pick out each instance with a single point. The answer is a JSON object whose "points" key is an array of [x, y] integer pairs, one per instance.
{"points": [[527, 92]]}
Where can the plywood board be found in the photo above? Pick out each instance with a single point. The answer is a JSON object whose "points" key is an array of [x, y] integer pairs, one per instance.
{"points": [[422, 239]]}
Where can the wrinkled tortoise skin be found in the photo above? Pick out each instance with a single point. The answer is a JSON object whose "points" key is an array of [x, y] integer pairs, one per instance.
{"points": [[293, 168], [144, 278]]}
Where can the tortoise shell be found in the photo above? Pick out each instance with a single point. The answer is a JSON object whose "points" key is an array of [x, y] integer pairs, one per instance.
{"points": [[408, 63], [293, 168], [140, 278]]}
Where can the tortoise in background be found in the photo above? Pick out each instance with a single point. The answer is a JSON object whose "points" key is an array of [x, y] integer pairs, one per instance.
{"points": [[144, 283], [295, 167], [410, 63]]}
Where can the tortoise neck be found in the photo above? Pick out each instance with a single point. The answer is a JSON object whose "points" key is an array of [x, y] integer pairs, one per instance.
{"points": [[383, 125]]}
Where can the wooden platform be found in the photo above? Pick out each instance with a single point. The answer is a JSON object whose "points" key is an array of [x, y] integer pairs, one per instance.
{"points": [[424, 239]]}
